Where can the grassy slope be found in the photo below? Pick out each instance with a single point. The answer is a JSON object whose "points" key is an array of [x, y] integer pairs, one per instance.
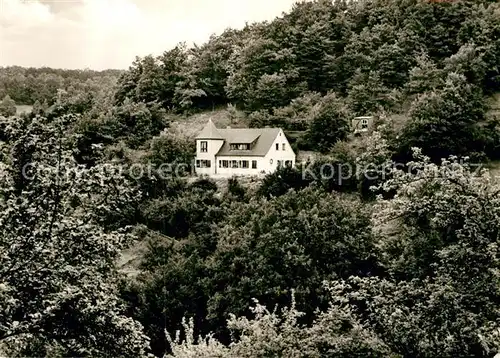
{"points": [[494, 111], [493, 103], [191, 125], [23, 109]]}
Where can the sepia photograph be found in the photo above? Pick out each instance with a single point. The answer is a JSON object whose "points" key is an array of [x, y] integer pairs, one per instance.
{"points": [[250, 178]]}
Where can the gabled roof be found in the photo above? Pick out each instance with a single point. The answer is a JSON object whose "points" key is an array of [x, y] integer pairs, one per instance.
{"points": [[263, 137], [209, 132], [245, 138]]}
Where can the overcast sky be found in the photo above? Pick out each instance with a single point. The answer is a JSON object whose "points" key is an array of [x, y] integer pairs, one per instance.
{"points": [[101, 34]]}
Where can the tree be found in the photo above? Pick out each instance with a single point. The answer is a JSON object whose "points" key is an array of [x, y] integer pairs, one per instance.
{"points": [[329, 124], [281, 181], [58, 289], [7, 107], [373, 164], [295, 241], [150, 83], [208, 66], [274, 90], [135, 122], [183, 213], [425, 76], [367, 94], [235, 190], [445, 121], [261, 67], [439, 236], [154, 79], [468, 61], [171, 148], [39, 108], [335, 333]]}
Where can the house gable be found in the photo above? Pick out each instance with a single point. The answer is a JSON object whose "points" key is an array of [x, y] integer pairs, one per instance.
{"points": [[280, 151], [209, 132], [259, 140], [242, 151], [361, 124]]}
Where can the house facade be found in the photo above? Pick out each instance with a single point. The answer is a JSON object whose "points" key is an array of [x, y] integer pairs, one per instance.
{"points": [[241, 151], [361, 124]]}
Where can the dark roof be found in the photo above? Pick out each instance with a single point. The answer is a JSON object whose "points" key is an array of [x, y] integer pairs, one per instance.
{"points": [[263, 138], [209, 132]]}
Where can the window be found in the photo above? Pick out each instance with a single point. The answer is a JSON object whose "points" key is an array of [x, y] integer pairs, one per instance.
{"points": [[245, 146], [364, 123], [288, 163], [225, 163], [234, 164], [270, 161], [283, 146], [203, 146], [203, 163], [277, 146], [280, 163], [254, 164], [244, 164]]}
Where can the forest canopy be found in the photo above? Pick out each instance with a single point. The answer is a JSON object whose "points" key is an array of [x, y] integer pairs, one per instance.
{"points": [[399, 258]]}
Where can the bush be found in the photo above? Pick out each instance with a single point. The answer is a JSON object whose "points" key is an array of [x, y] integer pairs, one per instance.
{"points": [[7, 107], [334, 333], [329, 124]]}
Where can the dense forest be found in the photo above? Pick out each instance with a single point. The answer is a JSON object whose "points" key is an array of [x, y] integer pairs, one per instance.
{"points": [[398, 258], [26, 86]]}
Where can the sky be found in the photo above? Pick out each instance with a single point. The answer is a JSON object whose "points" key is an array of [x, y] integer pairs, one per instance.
{"points": [[100, 34]]}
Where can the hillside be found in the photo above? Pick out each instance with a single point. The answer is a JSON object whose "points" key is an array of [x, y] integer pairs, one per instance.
{"points": [[190, 125], [387, 246], [493, 103]]}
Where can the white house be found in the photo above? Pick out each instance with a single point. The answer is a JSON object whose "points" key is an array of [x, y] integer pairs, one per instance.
{"points": [[241, 151], [362, 124]]}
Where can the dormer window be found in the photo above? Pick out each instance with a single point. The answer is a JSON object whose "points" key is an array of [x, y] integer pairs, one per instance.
{"points": [[239, 146], [203, 146]]}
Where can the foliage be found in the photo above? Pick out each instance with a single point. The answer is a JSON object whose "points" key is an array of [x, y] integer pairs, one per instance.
{"points": [[373, 164], [58, 291], [329, 124], [7, 107], [413, 273], [439, 238], [261, 76], [424, 77], [235, 189], [367, 94], [28, 85], [281, 181], [171, 148], [242, 250], [295, 241], [183, 213], [445, 121], [334, 333]]}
